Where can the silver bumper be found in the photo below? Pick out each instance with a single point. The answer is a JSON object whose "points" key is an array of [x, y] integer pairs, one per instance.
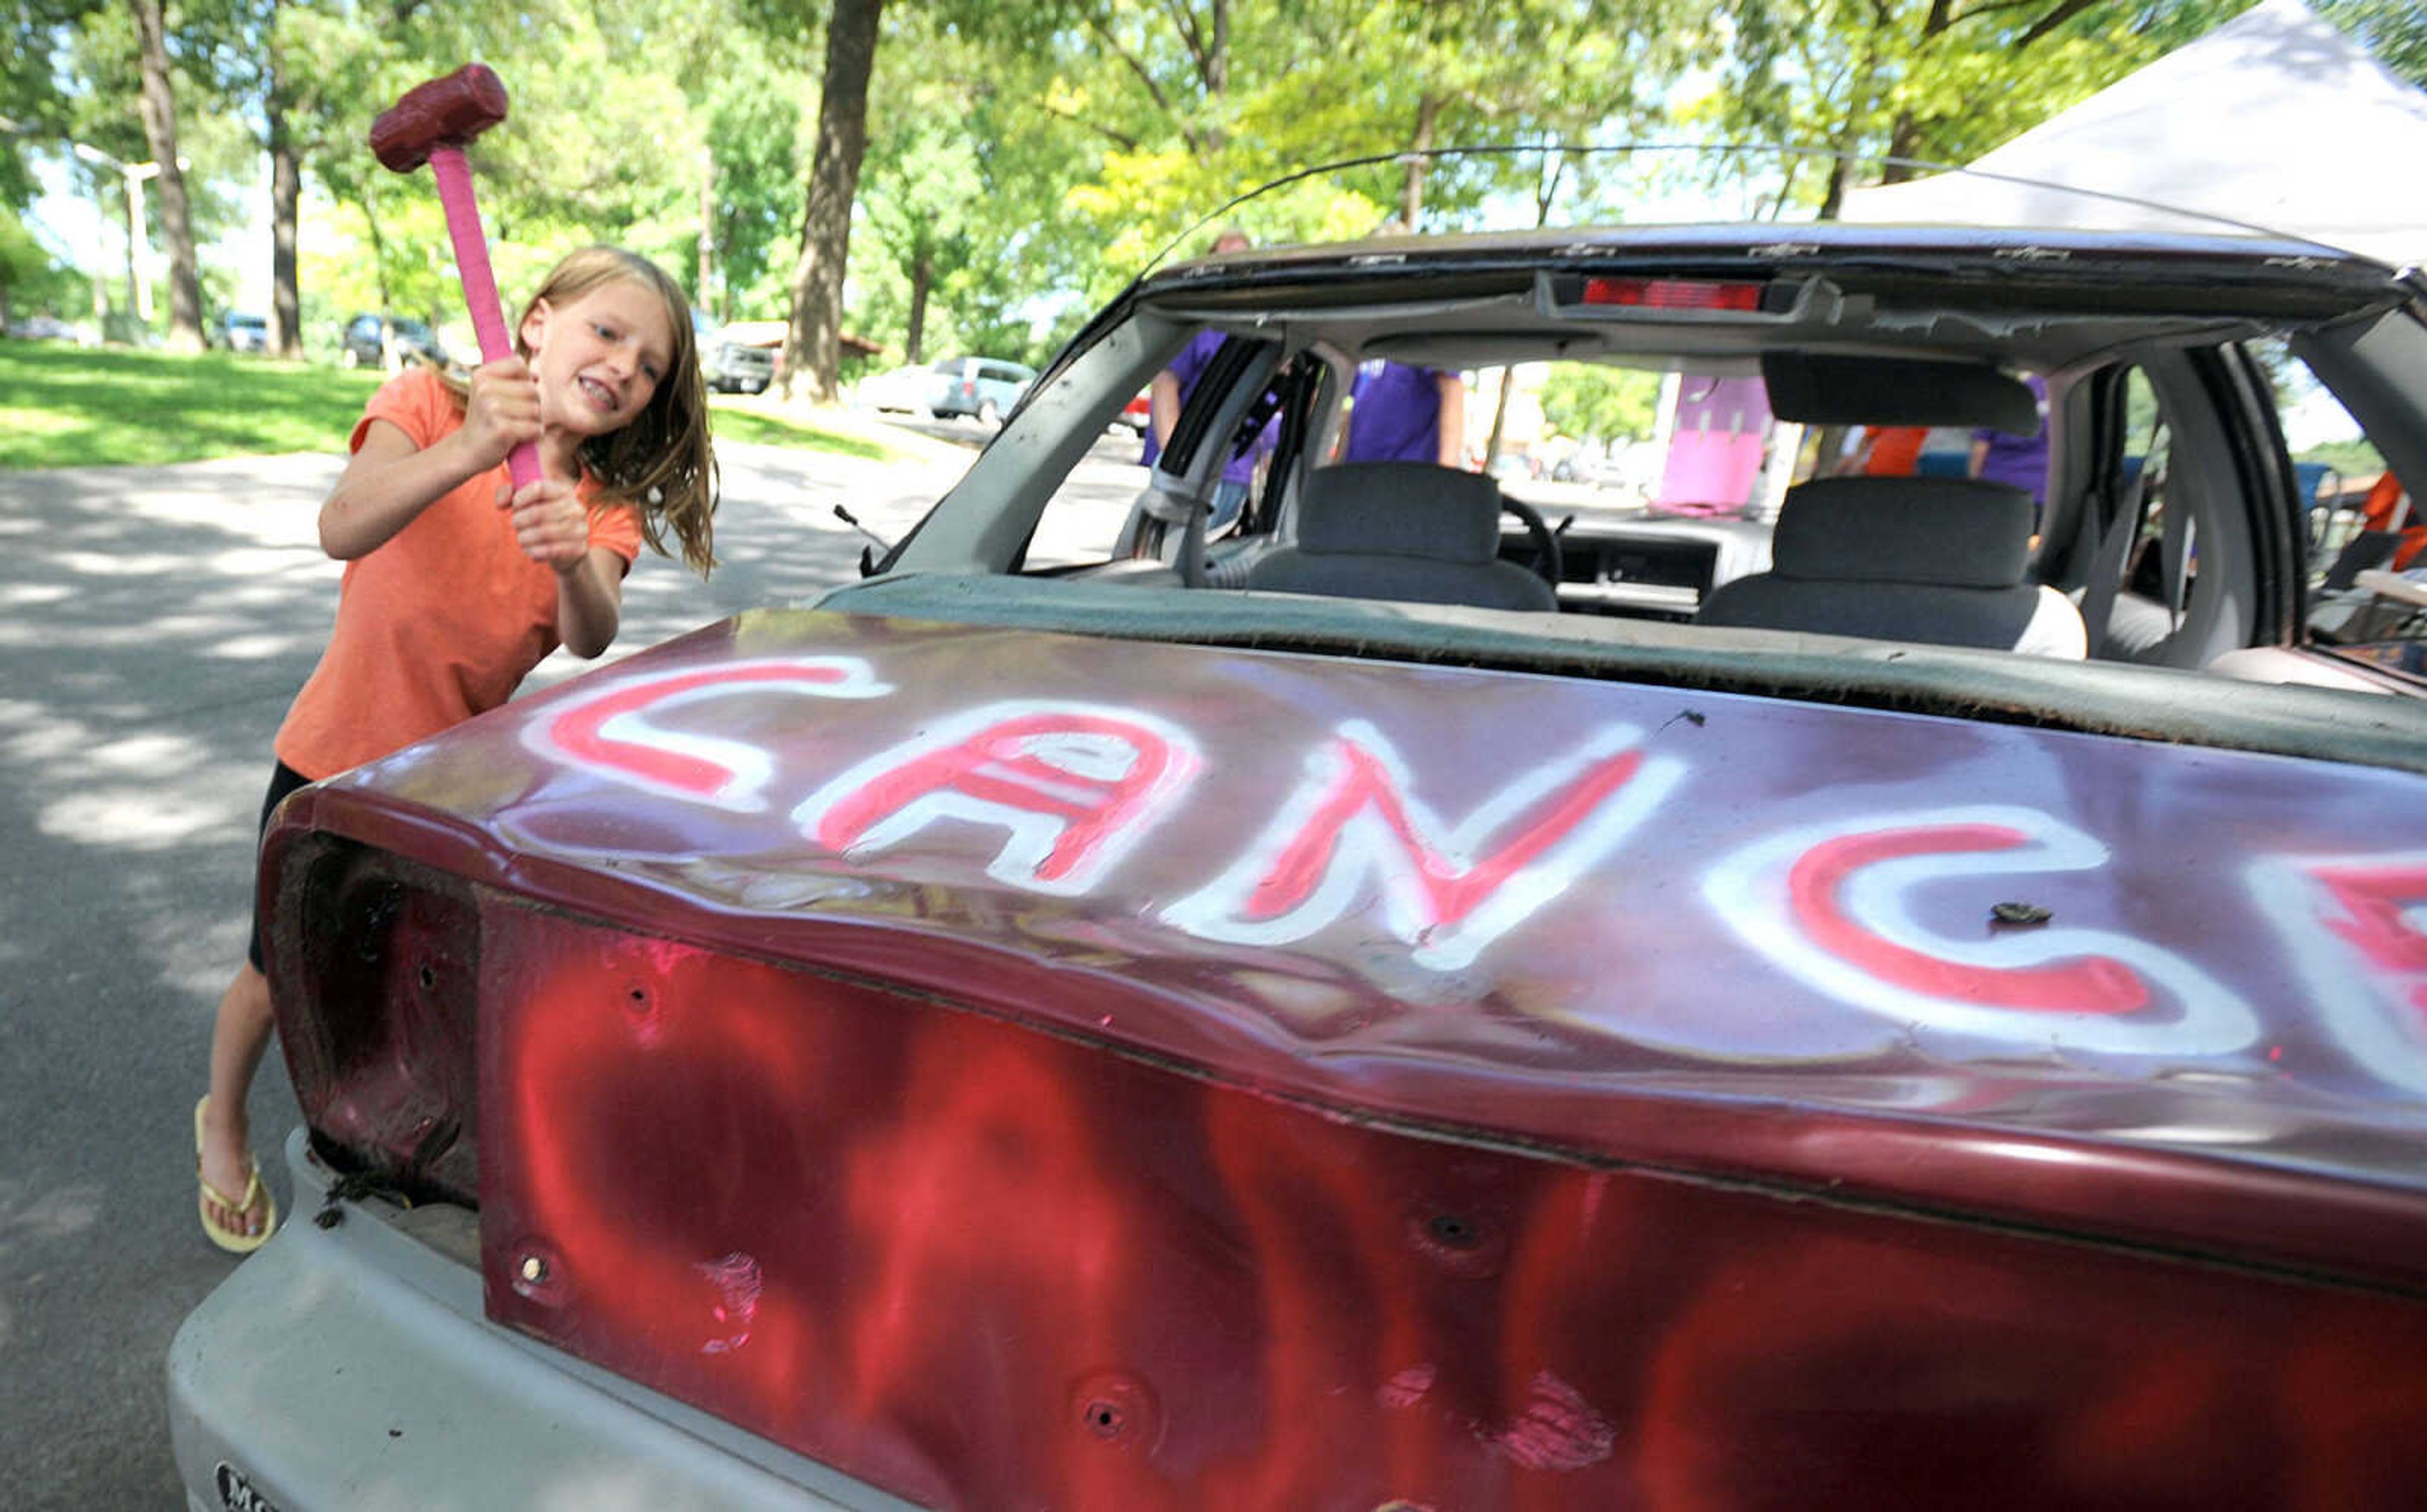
{"points": [[350, 1367]]}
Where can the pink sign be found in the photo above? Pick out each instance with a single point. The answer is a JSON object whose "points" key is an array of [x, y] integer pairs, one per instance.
{"points": [[1716, 445]]}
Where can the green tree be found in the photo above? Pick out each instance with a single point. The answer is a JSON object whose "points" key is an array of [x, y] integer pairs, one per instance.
{"points": [[1179, 126], [968, 244], [243, 59], [2394, 30], [753, 123], [31, 280], [599, 142], [923, 203], [813, 346], [33, 114], [1487, 72], [1592, 403], [1937, 81], [34, 35], [158, 103]]}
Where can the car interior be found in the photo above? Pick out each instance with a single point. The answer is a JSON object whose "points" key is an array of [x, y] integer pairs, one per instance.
{"points": [[2170, 534]]}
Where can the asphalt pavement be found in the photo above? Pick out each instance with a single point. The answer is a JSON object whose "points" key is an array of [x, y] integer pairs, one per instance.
{"points": [[153, 624]]}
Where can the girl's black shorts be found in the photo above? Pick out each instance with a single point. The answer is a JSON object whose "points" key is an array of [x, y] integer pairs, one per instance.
{"points": [[284, 780]]}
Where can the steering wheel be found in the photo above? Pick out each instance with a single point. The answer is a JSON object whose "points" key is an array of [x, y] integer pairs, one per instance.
{"points": [[1545, 541]]}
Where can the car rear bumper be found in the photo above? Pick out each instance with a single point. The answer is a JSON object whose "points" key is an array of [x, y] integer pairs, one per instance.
{"points": [[352, 1366]]}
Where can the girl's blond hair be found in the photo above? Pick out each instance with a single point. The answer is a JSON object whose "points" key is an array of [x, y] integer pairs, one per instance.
{"points": [[662, 463]]}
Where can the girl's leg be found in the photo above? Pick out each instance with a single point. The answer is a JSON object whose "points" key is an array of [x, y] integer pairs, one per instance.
{"points": [[238, 1036], [238, 1039]]}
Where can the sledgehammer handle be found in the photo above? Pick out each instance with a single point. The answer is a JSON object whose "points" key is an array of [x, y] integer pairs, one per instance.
{"points": [[480, 285]]}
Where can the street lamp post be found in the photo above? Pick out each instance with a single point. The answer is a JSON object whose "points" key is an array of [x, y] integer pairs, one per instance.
{"points": [[135, 173]]}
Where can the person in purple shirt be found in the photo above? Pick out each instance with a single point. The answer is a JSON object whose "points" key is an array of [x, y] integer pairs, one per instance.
{"points": [[2021, 460], [1170, 392], [1397, 413]]}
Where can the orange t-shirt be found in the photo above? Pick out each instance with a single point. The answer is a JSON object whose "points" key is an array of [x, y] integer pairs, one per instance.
{"points": [[2377, 514], [442, 620], [1896, 450]]}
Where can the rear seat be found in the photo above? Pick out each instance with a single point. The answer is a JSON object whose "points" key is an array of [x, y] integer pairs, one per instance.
{"points": [[1940, 561]]}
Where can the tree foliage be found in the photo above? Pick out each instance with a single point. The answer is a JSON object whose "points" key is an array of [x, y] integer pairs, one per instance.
{"points": [[1900, 85], [1600, 405], [2394, 30], [1022, 162]]}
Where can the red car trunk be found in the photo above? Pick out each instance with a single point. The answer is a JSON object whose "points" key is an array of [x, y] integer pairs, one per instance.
{"points": [[843, 1067]]}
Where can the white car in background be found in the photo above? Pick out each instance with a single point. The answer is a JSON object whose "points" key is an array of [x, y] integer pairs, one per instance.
{"points": [[900, 390], [728, 362]]}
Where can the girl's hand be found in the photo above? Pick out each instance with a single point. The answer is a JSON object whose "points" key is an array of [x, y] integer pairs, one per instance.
{"points": [[503, 412], [551, 524]]}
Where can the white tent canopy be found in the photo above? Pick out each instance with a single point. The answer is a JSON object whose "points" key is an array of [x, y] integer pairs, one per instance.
{"points": [[2274, 120]]}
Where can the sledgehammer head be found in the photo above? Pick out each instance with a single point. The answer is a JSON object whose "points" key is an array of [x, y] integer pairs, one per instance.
{"points": [[446, 112]]}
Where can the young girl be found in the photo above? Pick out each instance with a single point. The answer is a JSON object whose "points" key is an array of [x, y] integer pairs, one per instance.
{"points": [[456, 584]]}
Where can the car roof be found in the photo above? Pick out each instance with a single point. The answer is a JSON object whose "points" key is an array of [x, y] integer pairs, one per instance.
{"points": [[2043, 298], [1756, 242]]}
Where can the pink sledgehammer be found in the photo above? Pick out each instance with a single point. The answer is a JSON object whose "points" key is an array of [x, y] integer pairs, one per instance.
{"points": [[431, 124]]}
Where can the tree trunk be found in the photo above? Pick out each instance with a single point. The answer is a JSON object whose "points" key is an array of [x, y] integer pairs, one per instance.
{"points": [[1903, 142], [813, 347], [286, 288], [1786, 176], [1217, 58], [379, 255], [1411, 189], [1216, 71], [708, 236], [139, 299], [1499, 418], [176, 226], [1834, 199], [286, 188], [922, 276]]}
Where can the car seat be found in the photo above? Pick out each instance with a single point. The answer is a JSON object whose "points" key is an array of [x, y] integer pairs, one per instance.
{"points": [[1940, 561], [1400, 529]]}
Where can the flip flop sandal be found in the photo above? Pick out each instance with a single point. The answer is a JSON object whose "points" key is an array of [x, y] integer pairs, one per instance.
{"points": [[235, 1241]]}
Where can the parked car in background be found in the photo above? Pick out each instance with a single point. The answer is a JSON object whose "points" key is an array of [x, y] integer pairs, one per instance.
{"points": [[50, 328], [373, 341], [1893, 992], [897, 390], [727, 363], [1138, 414], [237, 330], [1515, 467], [980, 388]]}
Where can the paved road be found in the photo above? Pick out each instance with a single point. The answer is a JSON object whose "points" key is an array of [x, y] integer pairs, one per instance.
{"points": [[153, 624]]}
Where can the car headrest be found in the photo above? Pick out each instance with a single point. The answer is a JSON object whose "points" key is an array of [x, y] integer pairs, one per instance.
{"points": [[1954, 533], [1404, 509], [1812, 388]]}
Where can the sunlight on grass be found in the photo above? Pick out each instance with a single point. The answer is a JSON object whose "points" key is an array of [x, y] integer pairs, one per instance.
{"points": [[73, 407], [45, 422], [765, 421], [76, 407]]}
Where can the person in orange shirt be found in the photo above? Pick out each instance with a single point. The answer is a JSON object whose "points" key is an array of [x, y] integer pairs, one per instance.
{"points": [[1890, 450], [457, 584], [2379, 511]]}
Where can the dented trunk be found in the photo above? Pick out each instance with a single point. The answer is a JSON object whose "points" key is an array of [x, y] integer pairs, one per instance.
{"points": [[1022, 1070]]}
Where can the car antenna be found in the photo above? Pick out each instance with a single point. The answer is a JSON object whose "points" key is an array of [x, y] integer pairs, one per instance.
{"points": [[867, 561], [1720, 149]]}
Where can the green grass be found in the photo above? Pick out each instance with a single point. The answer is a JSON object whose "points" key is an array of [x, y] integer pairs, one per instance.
{"points": [[762, 422], [63, 406]]}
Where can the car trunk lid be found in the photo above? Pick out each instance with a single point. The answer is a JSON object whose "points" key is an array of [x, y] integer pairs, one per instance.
{"points": [[1017, 1066]]}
